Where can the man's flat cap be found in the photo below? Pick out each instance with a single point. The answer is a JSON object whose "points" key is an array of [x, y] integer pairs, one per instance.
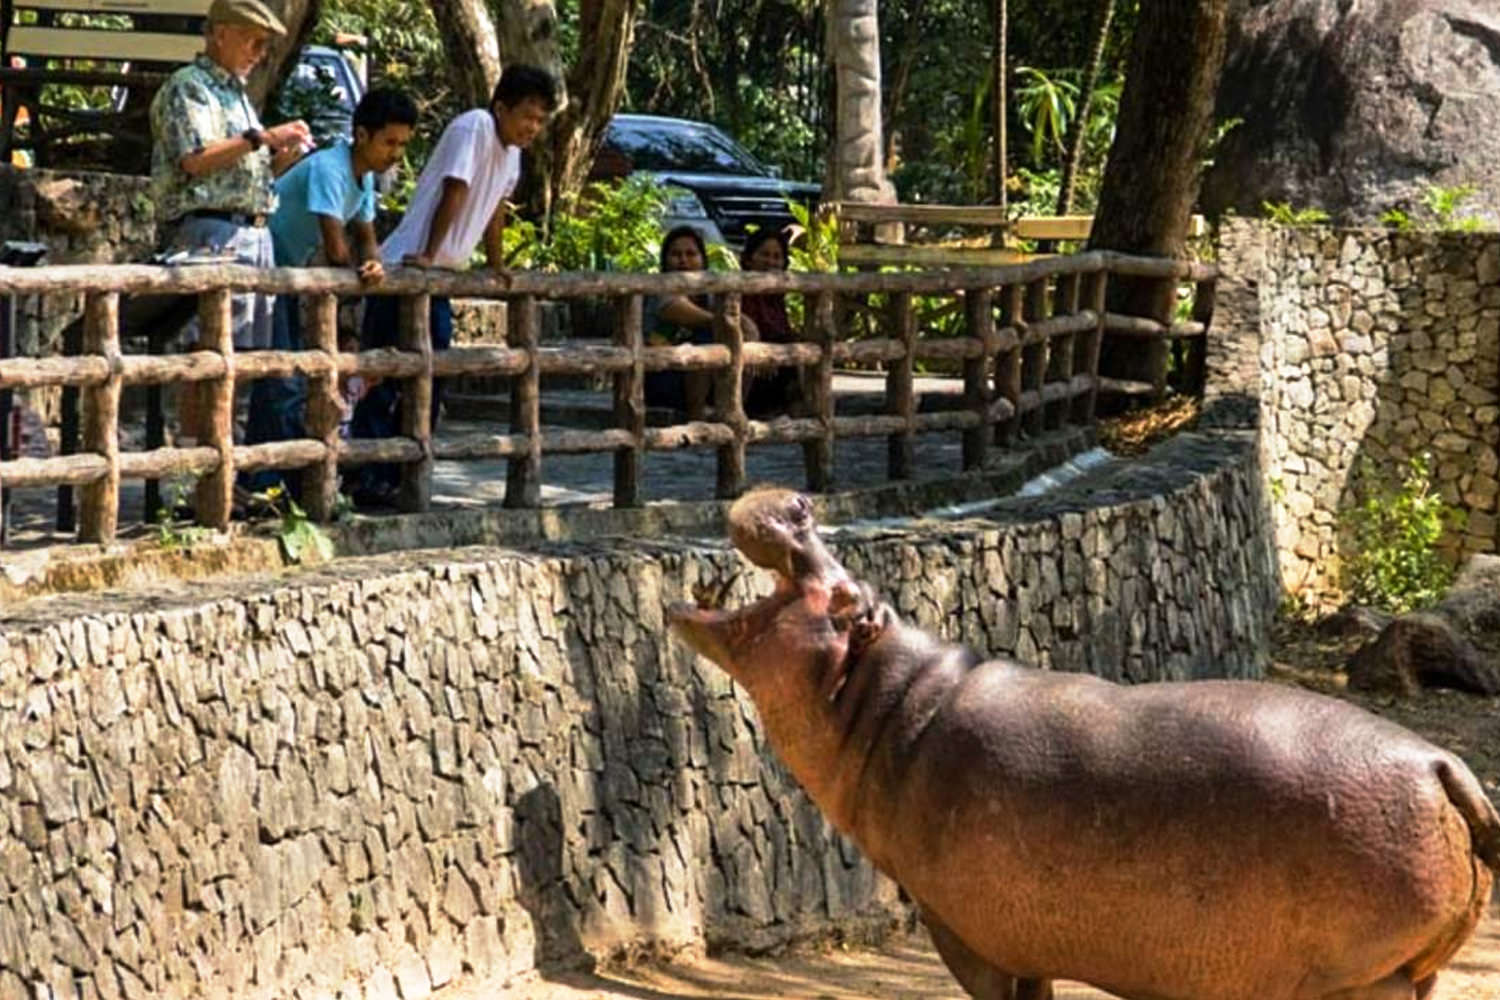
{"points": [[251, 13]]}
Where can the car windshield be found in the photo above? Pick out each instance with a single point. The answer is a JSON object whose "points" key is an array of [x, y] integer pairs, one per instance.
{"points": [[662, 146]]}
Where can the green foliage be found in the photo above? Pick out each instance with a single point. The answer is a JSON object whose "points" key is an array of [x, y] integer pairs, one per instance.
{"points": [[173, 532], [1395, 530], [1443, 205], [300, 537], [815, 244], [405, 51], [609, 226], [1215, 138], [1395, 218], [1282, 213], [1047, 102]]}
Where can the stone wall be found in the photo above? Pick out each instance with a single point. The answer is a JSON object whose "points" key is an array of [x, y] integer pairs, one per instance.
{"points": [[394, 772], [1370, 347]]}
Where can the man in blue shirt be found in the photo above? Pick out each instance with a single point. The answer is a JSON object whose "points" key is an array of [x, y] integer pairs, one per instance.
{"points": [[321, 201]]}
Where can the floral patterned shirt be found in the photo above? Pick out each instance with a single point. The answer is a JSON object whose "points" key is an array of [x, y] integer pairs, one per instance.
{"points": [[200, 104]]}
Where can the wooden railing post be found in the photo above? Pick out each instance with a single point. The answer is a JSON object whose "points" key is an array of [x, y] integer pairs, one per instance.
{"points": [[523, 477], [214, 497], [67, 513], [1163, 306], [1008, 362], [979, 311], [325, 408], [630, 402], [1060, 350], [729, 399], [900, 394], [817, 454], [1034, 357], [415, 335], [1195, 350], [99, 505], [1086, 351]]}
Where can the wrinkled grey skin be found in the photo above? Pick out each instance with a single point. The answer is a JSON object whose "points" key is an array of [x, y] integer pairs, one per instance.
{"points": [[1214, 840]]}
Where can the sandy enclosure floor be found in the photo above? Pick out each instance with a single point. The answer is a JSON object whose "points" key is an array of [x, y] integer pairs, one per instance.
{"points": [[906, 969]]}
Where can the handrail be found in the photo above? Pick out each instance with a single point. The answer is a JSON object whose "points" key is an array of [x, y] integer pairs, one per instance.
{"points": [[1029, 352], [195, 279]]}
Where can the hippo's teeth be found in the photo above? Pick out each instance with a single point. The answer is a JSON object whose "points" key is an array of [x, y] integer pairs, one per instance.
{"points": [[711, 596]]}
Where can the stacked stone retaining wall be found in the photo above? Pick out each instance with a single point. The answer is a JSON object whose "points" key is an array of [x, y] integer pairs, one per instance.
{"points": [[1365, 349], [399, 772]]}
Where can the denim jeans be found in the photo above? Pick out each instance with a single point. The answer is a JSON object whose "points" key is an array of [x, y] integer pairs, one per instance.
{"points": [[378, 414]]}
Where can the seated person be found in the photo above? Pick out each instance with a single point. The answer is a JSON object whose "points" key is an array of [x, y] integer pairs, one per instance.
{"points": [[682, 319], [779, 390]]}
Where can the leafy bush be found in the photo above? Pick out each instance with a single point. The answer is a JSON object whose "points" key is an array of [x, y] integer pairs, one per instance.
{"points": [[1283, 214], [609, 226], [1395, 531]]}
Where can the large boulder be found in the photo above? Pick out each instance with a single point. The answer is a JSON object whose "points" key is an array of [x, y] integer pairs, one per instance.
{"points": [[1455, 644], [1348, 105]]}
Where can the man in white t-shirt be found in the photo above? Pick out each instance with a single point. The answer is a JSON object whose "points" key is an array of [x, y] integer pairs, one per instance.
{"points": [[459, 201]]}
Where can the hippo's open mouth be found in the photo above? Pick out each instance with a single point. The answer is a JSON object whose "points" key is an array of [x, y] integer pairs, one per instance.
{"points": [[775, 530]]}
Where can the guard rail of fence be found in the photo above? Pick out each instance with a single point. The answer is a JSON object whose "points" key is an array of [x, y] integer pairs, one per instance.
{"points": [[1028, 352]]}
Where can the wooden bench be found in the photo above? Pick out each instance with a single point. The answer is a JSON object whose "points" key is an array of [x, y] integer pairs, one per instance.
{"points": [[873, 235], [124, 48]]}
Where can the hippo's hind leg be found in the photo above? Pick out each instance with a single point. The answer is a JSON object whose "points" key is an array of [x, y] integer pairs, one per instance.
{"points": [[1395, 987], [979, 978]]}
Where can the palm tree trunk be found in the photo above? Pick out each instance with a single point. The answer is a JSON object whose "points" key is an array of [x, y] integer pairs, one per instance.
{"points": [[1076, 128], [1001, 96]]}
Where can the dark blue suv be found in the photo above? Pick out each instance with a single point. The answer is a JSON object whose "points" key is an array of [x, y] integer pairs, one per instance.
{"points": [[725, 188]]}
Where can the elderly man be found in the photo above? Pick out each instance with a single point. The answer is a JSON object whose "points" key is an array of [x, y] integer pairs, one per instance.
{"points": [[212, 164]]}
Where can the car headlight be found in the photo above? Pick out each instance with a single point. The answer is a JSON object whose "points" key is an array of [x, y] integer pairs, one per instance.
{"points": [[683, 204]]}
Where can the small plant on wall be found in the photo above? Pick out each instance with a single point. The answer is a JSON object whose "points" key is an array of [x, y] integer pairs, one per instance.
{"points": [[1396, 529]]}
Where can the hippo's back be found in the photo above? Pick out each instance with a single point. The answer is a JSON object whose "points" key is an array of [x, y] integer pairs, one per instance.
{"points": [[1237, 833]]}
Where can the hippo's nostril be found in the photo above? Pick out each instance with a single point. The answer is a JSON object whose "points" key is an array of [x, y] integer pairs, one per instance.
{"points": [[800, 509]]}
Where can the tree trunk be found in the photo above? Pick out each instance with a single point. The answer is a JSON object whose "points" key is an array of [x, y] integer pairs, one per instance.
{"points": [[528, 35], [473, 49], [1000, 93], [1077, 127], [1151, 181], [300, 17], [857, 164], [564, 155]]}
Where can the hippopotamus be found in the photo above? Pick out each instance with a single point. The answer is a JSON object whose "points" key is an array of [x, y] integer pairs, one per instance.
{"points": [[1206, 840]]}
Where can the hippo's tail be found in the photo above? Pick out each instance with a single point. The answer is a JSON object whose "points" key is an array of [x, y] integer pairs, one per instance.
{"points": [[1478, 811]]}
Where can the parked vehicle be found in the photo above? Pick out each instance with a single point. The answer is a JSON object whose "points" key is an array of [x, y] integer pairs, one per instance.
{"points": [[329, 84], [724, 188]]}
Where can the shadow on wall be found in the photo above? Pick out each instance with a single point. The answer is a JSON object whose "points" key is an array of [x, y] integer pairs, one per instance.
{"points": [[541, 889]]}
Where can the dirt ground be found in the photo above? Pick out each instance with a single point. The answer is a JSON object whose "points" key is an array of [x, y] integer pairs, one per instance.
{"points": [[908, 969]]}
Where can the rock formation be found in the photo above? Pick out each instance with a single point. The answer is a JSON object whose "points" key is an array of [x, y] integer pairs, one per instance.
{"points": [[1351, 106]]}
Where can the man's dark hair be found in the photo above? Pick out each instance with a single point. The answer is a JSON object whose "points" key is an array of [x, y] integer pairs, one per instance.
{"points": [[384, 106], [519, 82]]}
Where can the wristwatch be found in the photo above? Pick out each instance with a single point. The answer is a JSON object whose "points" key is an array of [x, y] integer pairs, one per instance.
{"points": [[254, 137]]}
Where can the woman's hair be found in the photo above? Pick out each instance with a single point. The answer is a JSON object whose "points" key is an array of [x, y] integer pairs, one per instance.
{"points": [[763, 235], [677, 234]]}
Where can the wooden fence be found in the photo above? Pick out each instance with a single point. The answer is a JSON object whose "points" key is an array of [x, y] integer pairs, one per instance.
{"points": [[1028, 352]]}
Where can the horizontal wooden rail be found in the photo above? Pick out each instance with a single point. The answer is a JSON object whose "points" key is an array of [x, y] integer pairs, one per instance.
{"points": [[195, 279], [1028, 347]]}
